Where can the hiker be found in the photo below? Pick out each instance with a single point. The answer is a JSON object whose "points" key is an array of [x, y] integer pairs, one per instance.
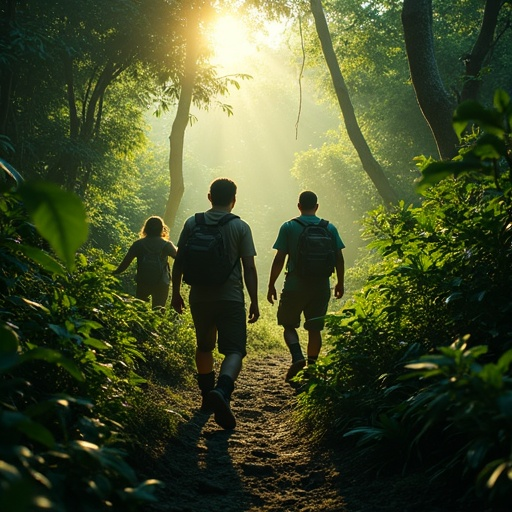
{"points": [[152, 251], [306, 288], [216, 296]]}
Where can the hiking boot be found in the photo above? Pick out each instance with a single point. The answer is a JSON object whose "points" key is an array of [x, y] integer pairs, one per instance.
{"points": [[205, 406], [206, 382], [223, 415], [294, 369]]}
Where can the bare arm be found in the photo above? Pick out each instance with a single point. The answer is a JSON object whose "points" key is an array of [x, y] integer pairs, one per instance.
{"points": [[251, 283], [124, 264], [339, 289], [174, 251], [177, 302], [275, 271]]}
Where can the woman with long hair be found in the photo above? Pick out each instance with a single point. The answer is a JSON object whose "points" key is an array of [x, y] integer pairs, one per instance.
{"points": [[152, 251]]}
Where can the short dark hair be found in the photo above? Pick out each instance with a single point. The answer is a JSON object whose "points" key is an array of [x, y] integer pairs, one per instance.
{"points": [[222, 192], [308, 200]]}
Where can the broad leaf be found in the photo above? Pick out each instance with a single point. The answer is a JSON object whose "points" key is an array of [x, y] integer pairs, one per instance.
{"points": [[42, 258], [53, 356], [472, 111], [59, 216]]}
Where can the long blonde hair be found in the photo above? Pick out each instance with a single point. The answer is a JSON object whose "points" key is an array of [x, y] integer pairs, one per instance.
{"points": [[154, 226]]}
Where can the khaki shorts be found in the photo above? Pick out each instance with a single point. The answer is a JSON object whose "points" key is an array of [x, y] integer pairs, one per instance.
{"points": [[223, 323], [312, 302]]}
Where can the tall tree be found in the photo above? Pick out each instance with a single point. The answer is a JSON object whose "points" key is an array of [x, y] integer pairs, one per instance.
{"points": [[181, 120], [7, 20], [370, 164], [87, 54], [198, 84], [436, 102]]}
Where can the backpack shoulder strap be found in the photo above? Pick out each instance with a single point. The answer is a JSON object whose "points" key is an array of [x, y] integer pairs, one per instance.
{"points": [[158, 251], [324, 223], [200, 218], [226, 218]]}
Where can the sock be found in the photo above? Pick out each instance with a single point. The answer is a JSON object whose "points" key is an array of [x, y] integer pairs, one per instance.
{"points": [[312, 359], [206, 382], [296, 352], [226, 384]]}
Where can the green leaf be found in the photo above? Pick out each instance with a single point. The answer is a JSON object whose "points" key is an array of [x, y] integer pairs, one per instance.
{"points": [[32, 429], [9, 357], [37, 432], [59, 216], [53, 356], [9, 472], [42, 258], [9, 344], [437, 171], [472, 111], [145, 491], [93, 342], [500, 468], [422, 366], [11, 171], [505, 360], [501, 101], [490, 146], [36, 305]]}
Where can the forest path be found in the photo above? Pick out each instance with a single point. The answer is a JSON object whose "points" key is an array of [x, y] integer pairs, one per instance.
{"points": [[265, 465]]}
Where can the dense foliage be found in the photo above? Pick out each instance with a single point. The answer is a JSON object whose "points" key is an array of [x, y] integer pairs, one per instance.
{"points": [[419, 372], [368, 38], [86, 373]]}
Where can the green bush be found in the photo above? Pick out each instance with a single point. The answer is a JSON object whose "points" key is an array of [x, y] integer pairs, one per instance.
{"points": [[444, 274], [79, 364]]}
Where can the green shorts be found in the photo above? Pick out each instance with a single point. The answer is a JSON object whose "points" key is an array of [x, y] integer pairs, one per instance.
{"points": [[313, 302], [223, 323]]}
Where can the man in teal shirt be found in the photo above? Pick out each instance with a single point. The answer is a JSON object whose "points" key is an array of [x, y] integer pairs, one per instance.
{"points": [[303, 295]]}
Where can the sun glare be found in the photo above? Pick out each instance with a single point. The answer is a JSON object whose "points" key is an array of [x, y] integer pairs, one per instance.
{"points": [[234, 42], [230, 39]]}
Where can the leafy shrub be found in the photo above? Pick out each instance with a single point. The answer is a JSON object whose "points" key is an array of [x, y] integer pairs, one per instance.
{"points": [[444, 275], [75, 354]]}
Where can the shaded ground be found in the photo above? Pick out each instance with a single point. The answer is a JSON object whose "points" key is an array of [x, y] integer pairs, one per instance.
{"points": [[265, 465]]}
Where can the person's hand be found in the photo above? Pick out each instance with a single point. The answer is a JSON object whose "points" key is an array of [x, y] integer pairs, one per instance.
{"points": [[271, 294], [254, 312], [339, 290], [177, 303]]}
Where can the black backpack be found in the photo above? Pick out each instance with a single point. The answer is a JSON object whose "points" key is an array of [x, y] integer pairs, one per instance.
{"points": [[204, 257], [153, 267], [316, 252]]}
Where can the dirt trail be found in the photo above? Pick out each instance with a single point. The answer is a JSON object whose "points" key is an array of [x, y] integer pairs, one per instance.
{"points": [[264, 465]]}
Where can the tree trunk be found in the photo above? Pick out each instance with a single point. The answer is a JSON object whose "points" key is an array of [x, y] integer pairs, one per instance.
{"points": [[177, 136], [435, 103], [370, 165], [480, 51], [6, 77]]}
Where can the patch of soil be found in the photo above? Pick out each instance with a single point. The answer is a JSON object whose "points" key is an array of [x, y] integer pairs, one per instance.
{"points": [[266, 465]]}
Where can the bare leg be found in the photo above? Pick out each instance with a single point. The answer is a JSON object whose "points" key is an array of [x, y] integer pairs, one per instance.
{"points": [[204, 362], [314, 343]]}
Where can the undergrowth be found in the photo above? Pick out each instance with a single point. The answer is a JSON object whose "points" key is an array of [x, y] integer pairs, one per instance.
{"points": [[419, 373]]}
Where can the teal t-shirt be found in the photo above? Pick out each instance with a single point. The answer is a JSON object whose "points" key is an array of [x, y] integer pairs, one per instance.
{"points": [[288, 241]]}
